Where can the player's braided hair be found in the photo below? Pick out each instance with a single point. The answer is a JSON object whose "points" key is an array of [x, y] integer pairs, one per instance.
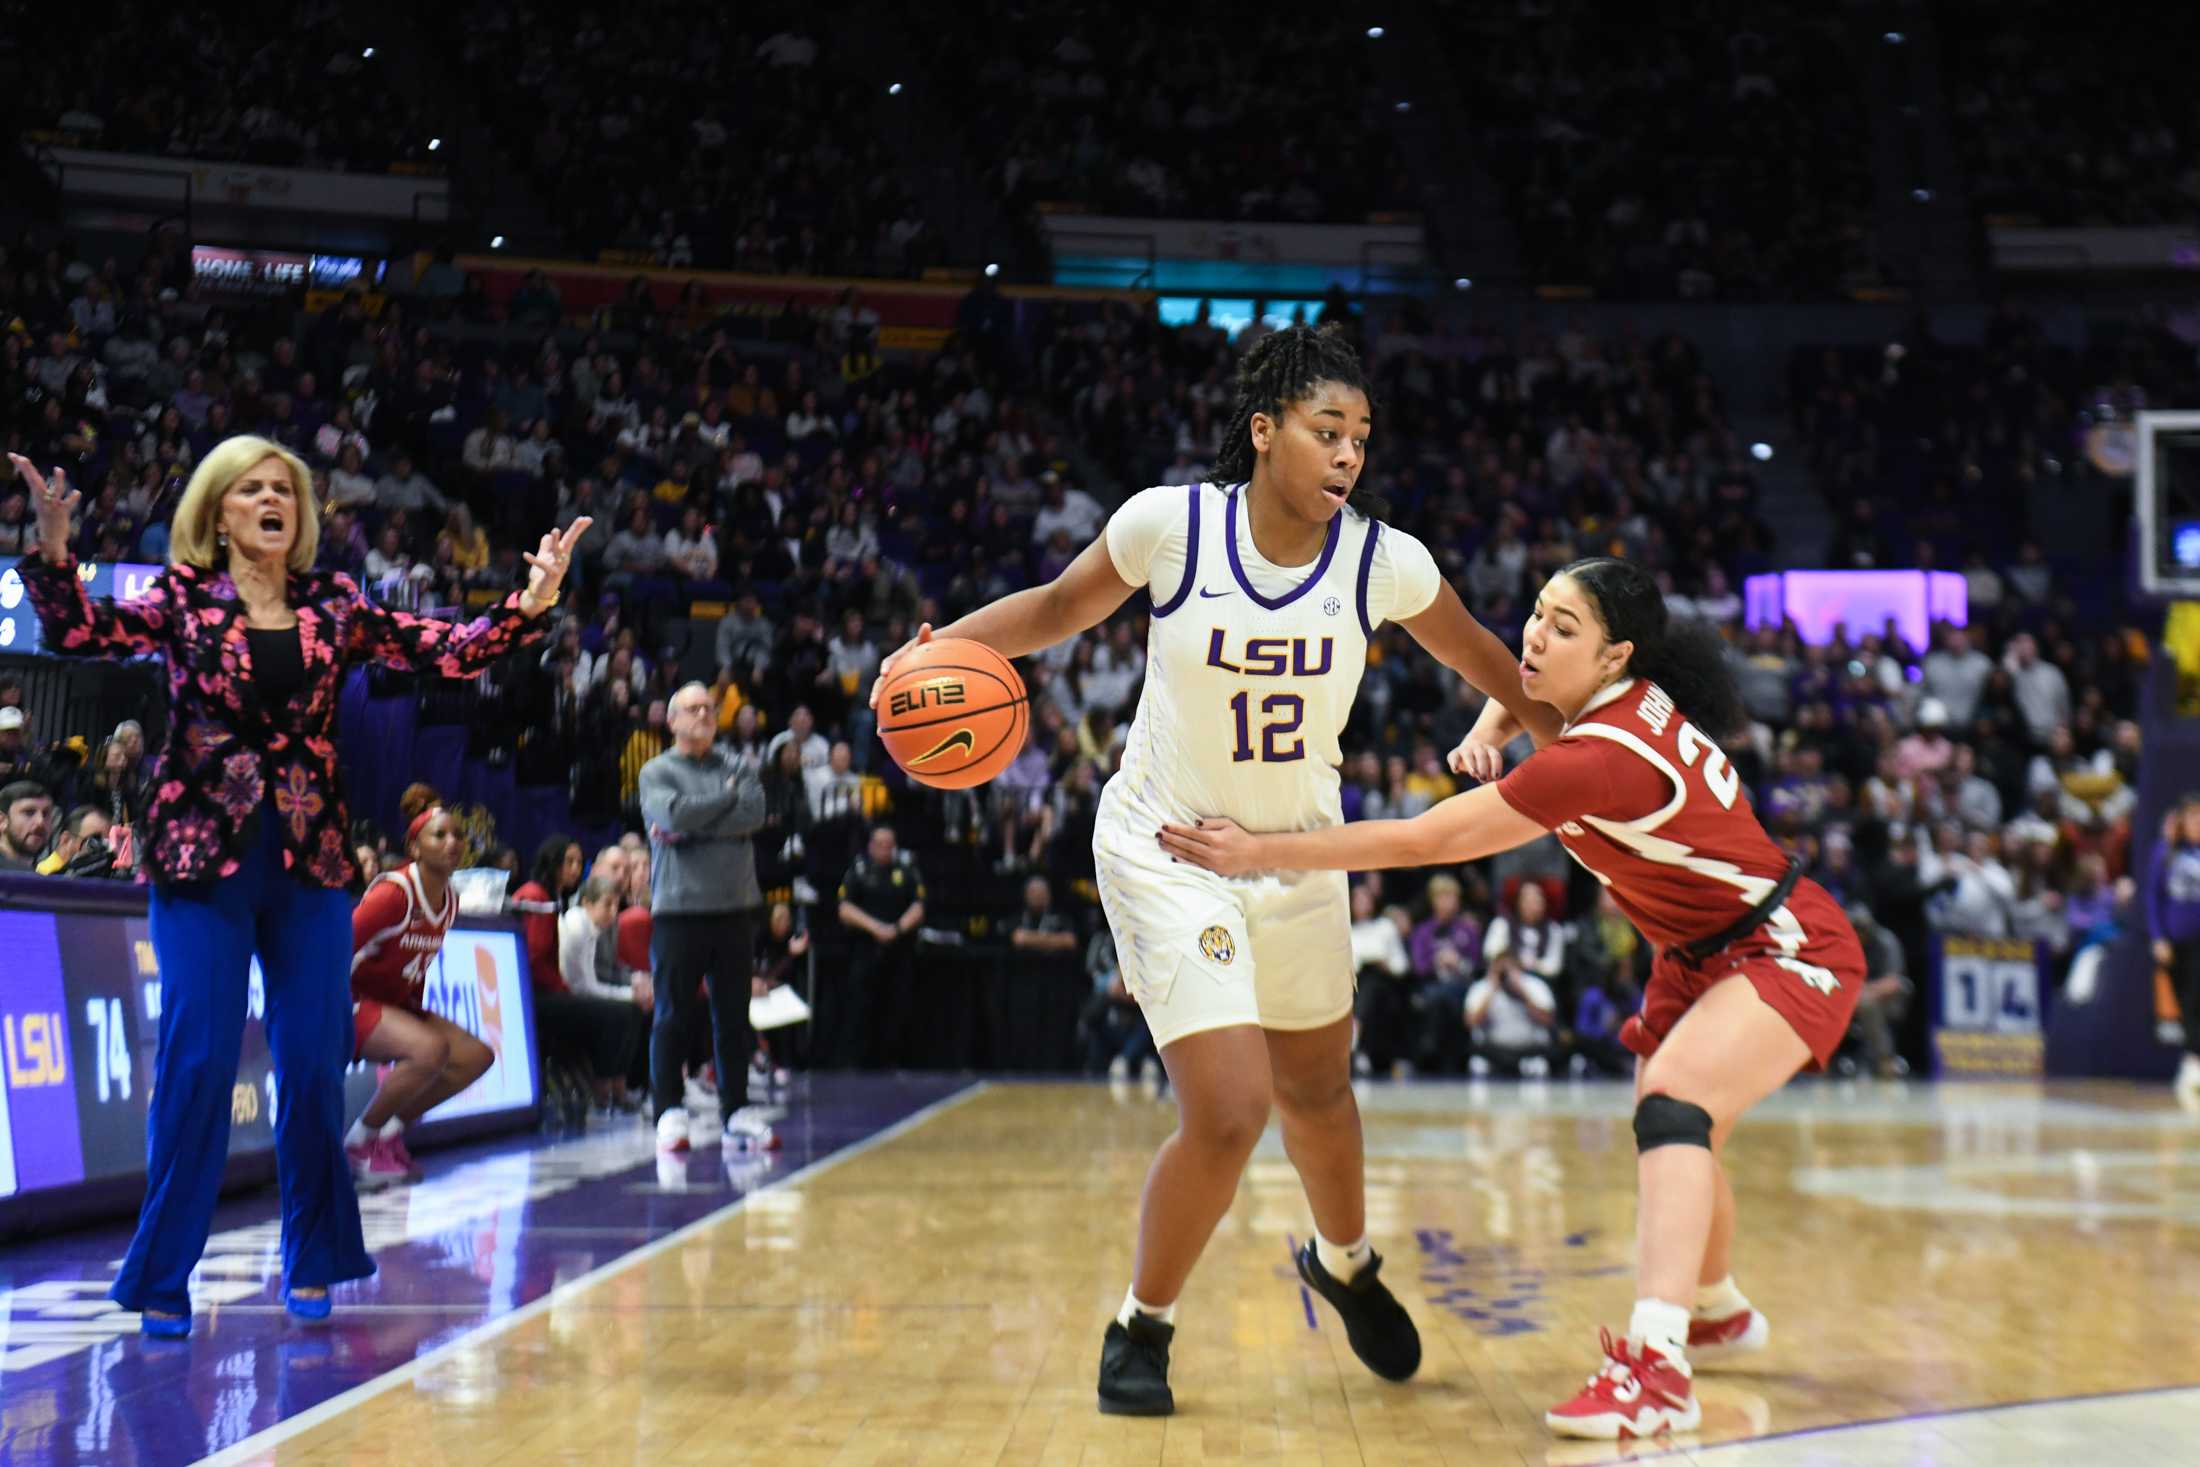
{"points": [[1687, 658], [1283, 368]]}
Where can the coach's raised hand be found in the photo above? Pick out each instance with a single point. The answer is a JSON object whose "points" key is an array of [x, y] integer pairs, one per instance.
{"points": [[55, 503], [886, 663], [546, 566]]}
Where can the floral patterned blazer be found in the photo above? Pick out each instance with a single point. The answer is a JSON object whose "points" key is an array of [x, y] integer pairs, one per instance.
{"points": [[227, 754]]}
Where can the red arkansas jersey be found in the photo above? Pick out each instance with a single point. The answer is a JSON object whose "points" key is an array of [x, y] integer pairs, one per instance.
{"points": [[1649, 804], [395, 935]]}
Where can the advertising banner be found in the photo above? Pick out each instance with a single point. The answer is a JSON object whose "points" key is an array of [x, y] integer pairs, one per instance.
{"points": [[1987, 996]]}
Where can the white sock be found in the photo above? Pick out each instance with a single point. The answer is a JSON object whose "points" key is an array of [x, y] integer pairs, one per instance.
{"points": [[1720, 1300], [359, 1135], [1343, 1261], [393, 1128], [1658, 1323], [1133, 1305]]}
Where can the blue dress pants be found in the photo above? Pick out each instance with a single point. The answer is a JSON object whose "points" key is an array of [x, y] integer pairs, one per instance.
{"points": [[204, 937]]}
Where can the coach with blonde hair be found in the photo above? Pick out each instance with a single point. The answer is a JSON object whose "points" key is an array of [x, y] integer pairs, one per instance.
{"points": [[245, 842]]}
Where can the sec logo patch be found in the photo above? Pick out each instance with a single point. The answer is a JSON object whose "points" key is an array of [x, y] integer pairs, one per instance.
{"points": [[1215, 943]]}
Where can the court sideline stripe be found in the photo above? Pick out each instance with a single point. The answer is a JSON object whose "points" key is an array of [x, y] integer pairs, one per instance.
{"points": [[255, 1448], [1772, 1440], [1949, 1413]]}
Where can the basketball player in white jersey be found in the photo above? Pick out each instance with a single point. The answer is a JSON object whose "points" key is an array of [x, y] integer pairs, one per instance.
{"points": [[1266, 590]]}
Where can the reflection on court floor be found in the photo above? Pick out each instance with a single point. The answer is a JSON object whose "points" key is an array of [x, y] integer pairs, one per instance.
{"points": [[1972, 1274]]}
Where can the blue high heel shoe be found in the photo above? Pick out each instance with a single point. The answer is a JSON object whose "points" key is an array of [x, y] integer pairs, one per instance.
{"points": [[170, 1327], [311, 1311]]}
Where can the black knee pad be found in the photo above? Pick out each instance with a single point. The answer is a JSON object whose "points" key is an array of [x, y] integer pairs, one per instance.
{"points": [[1660, 1120]]}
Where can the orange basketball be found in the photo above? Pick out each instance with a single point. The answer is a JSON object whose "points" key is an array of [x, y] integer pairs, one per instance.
{"points": [[954, 713]]}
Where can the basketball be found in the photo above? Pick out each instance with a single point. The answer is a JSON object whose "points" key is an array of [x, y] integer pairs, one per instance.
{"points": [[954, 713]]}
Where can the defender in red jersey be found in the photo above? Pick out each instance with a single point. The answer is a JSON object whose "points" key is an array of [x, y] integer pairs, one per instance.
{"points": [[397, 930], [1757, 973]]}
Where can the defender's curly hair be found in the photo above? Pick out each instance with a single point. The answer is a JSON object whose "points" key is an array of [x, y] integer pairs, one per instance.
{"points": [[1687, 658]]}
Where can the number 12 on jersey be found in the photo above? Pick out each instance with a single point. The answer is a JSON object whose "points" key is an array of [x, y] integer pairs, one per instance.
{"points": [[1282, 714]]}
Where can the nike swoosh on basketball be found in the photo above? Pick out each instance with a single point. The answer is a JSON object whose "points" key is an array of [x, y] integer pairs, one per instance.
{"points": [[1207, 595], [960, 736]]}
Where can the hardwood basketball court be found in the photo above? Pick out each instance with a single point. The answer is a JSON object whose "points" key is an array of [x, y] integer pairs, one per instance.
{"points": [[936, 1294]]}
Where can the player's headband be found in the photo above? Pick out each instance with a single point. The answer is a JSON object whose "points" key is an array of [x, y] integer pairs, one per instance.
{"points": [[420, 823]]}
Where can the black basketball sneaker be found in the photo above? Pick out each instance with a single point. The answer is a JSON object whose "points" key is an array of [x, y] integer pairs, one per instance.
{"points": [[1376, 1325], [1134, 1368]]}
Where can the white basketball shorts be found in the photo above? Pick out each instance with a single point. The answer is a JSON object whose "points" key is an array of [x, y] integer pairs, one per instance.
{"points": [[1200, 951]]}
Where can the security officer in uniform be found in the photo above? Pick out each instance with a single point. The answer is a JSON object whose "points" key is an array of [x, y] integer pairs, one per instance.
{"points": [[881, 905]]}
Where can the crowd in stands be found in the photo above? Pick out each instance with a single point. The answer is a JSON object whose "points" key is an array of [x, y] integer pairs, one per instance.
{"points": [[1685, 152], [252, 82], [2066, 124], [828, 514], [1908, 438], [1203, 113], [740, 148]]}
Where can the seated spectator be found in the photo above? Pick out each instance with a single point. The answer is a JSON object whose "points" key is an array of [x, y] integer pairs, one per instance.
{"points": [[81, 848], [16, 759], [403, 488], [1885, 998], [1112, 1032], [1020, 807], [690, 548], [1067, 509], [26, 816], [2042, 692], [594, 1033], [18, 526], [836, 790], [1446, 949], [1979, 889], [348, 483], [464, 542], [537, 452], [587, 945], [801, 731], [111, 784], [1926, 751], [1511, 1018], [1536, 943], [782, 957], [637, 549], [1955, 673], [1041, 931], [745, 637], [490, 448], [1383, 1002], [390, 567], [1605, 958]]}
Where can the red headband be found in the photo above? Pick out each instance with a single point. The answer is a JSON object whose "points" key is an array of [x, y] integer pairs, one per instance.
{"points": [[420, 823]]}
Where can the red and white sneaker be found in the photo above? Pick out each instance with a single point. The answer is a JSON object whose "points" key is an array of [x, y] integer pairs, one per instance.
{"points": [[1711, 1341], [1641, 1391]]}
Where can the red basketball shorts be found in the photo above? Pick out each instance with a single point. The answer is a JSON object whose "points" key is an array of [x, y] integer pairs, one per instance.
{"points": [[1804, 962]]}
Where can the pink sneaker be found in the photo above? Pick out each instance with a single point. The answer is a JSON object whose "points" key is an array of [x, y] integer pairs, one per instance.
{"points": [[404, 1157], [369, 1170], [382, 1161]]}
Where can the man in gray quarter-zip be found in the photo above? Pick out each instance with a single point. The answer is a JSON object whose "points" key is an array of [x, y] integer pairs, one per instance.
{"points": [[702, 804]]}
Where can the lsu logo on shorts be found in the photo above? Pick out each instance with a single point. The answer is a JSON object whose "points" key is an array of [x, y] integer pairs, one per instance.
{"points": [[1215, 943]]}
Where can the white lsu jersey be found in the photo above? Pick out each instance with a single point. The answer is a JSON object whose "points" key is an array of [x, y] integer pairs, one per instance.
{"points": [[1251, 668]]}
